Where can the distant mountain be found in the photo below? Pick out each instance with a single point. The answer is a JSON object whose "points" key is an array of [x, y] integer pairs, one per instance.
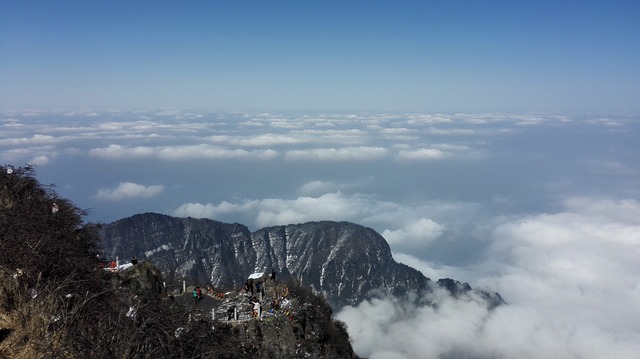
{"points": [[342, 260]]}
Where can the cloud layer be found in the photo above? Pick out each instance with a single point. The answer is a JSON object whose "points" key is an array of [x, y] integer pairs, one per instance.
{"points": [[540, 207], [179, 135], [571, 279], [128, 190]]}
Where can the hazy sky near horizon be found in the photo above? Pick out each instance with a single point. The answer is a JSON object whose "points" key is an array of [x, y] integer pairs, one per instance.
{"points": [[434, 56], [494, 142]]}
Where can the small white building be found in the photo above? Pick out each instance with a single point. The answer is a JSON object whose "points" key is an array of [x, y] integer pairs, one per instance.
{"points": [[259, 277]]}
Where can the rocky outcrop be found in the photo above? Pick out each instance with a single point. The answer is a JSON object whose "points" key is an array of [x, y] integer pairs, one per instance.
{"points": [[142, 279], [457, 289], [294, 322]]}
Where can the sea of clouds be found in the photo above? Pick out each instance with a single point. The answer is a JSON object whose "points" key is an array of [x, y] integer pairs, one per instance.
{"points": [[542, 208], [571, 280]]}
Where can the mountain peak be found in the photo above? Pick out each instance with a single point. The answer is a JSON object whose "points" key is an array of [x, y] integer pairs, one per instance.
{"points": [[344, 261]]}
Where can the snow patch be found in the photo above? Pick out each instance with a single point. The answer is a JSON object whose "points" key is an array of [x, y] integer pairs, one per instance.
{"points": [[256, 275], [124, 266], [163, 247], [187, 266]]}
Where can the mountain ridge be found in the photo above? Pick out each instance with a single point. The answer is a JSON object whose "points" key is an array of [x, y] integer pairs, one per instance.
{"points": [[344, 261]]}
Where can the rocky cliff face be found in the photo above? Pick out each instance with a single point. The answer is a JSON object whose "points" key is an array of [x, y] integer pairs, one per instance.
{"points": [[197, 249], [342, 260]]}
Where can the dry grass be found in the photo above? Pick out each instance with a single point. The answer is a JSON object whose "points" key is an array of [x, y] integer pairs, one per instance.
{"points": [[31, 321]]}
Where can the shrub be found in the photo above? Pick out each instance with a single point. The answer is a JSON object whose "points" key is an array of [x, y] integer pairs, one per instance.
{"points": [[316, 312], [56, 301]]}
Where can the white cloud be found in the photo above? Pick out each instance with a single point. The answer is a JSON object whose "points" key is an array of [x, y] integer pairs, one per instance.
{"points": [[436, 152], [199, 210], [175, 153], [428, 119], [40, 160], [450, 147], [626, 210], [397, 133], [81, 114], [431, 269], [273, 211], [587, 263], [258, 141], [452, 131], [30, 113], [422, 154], [178, 114], [418, 233], [116, 152], [332, 206], [531, 122], [39, 155], [317, 187], [209, 152], [606, 122], [426, 221], [338, 154], [36, 139], [571, 280], [128, 190], [344, 137]]}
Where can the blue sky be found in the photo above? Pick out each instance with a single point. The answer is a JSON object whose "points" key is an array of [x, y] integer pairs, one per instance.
{"points": [[495, 142], [578, 56]]}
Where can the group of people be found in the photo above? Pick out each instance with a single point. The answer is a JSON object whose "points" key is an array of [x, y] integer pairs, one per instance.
{"points": [[256, 286], [197, 293], [252, 287]]}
